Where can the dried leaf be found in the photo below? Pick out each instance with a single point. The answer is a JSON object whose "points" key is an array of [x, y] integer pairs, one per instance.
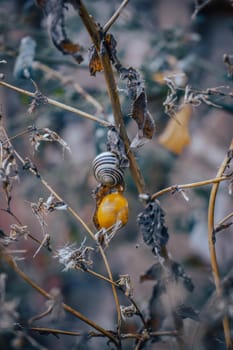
{"points": [[95, 64], [179, 274], [54, 10], [46, 135], [116, 145], [176, 135], [185, 311], [143, 117], [153, 273], [152, 226], [157, 312], [127, 311], [134, 82], [24, 60], [125, 283]]}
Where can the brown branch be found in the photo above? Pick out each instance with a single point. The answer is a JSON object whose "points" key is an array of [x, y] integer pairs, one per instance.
{"points": [[9, 260], [52, 73], [190, 185], [211, 240], [115, 16], [58, 104], [113, 94]]}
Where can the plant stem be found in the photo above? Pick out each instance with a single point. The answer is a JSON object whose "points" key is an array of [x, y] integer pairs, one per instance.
{"points": [[52, 73], [115, 16], [190, 185], [113, 94], [213, 256], [96, 274], [66, 307], [58, 104]]}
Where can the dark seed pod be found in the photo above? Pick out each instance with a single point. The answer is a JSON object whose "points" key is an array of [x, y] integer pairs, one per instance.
{"points": [[107, 170]]}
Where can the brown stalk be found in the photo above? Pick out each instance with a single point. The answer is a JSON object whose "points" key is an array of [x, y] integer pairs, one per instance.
{"points": [[58, 104], [211, 240], [191, 185], [9, 260]]}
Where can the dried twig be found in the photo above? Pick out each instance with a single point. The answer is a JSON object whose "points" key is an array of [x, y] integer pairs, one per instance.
{"points": [[211, 240]]}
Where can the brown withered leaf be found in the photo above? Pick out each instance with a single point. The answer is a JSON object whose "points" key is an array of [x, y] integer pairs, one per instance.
{"points": [[95, 64], [143, 117], [54, 10], [176, 136]]}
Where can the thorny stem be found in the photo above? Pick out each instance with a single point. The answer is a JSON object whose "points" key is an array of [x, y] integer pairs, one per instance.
{"points": [[191, 185], [211, 240], [66, 307], [58, 104]]}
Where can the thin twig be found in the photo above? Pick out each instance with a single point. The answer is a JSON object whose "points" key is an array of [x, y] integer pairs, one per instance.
{"points": [[190, 185], [94, 334], [9, 260], [52, 73], [211, 240], [199, 7], [58, 104], [226, 218], [96, 274], [115, 16]]}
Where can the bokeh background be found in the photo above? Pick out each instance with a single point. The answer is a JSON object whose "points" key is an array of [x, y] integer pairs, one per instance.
{"points": [[157, 38]]}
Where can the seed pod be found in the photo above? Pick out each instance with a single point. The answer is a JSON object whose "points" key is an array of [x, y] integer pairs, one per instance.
{"points": [[112, 209], [107, 170]]}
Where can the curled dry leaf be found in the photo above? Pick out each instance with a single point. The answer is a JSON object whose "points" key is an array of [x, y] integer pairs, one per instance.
{"points": [[152, 226], [116, 145], [54, 10], [139, 110], [176, 135], [128, 311], [125, 283], [143, 117], [95, 64], [47, 135]]}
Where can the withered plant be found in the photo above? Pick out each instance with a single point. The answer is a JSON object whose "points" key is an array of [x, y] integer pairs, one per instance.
{"points": [[164, 317]]}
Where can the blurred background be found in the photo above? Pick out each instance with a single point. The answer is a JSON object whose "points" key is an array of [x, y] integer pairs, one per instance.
{"points": [[159, 38]]}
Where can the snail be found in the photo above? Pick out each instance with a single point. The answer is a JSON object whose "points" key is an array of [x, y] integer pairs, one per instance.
{"points": [[112, 209], [107, 170]]}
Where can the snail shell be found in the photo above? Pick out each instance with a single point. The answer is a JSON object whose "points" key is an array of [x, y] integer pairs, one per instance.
{"points": [[106, 169], [113, 209]]}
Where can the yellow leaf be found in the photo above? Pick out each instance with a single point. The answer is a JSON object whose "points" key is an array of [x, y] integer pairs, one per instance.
{"points": [[176, 135]]}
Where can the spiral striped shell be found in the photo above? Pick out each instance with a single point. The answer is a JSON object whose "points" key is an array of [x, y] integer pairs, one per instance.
{"points": [[106, 169]]}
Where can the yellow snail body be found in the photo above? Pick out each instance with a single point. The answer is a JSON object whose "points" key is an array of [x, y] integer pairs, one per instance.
{"points": [[112, 209], [107, 170]]}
